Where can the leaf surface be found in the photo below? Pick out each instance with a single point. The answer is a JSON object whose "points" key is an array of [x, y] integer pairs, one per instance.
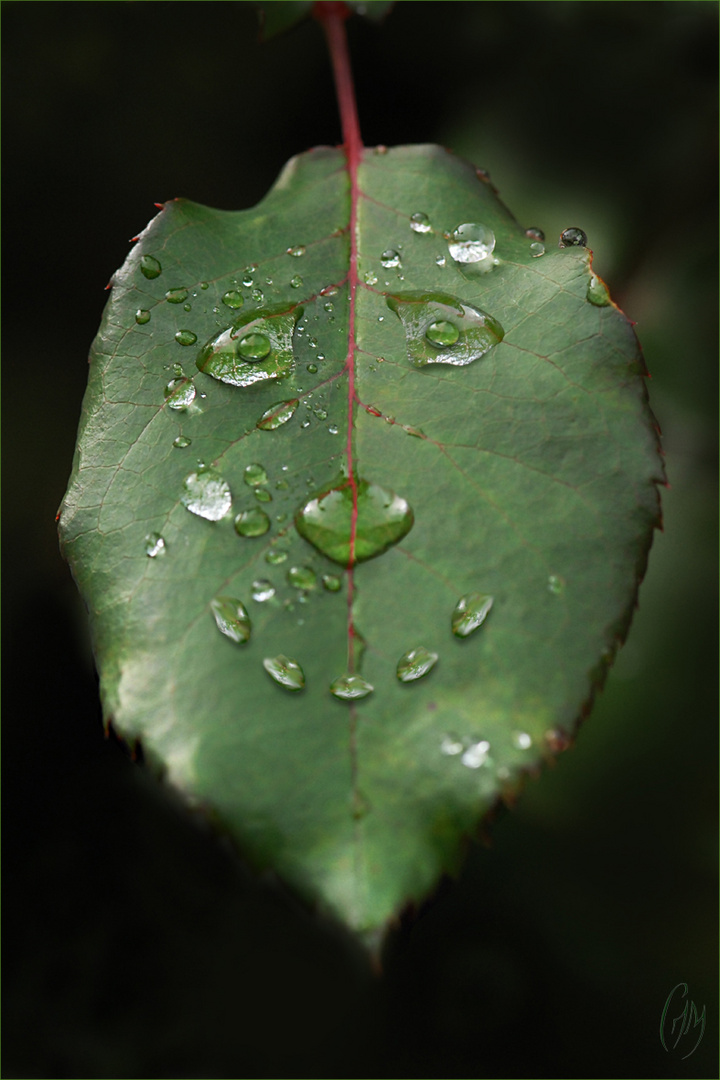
{"points": [[473, 436]]}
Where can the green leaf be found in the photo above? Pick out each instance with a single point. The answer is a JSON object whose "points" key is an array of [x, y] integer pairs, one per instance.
{"points": [[279, 15], [487, 418]]}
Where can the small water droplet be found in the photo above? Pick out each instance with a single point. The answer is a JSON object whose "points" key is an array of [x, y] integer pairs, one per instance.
{"points": [[254, 475], [142, 316], [181, 442], [320, 413], [286, 673], [390, 258], [312, 369], [370, 278], [252, 523], [350, 688], [332, 582], [233, 298], [521, 740], [470, 613], [482, 174], [231, 619], [325, 521], [275, 556], [154, 545], [329, 290], [277, 415], [420, 223], [305, 424], [329, 306], [442, 333], [302, 577], [597, 292], [534, 233], [312, 342], [476, 754], [262, 590], [204, 285], [185, 337], [179, 393], [258, 347], [333, 429], [430, 321], [258, 295], [150, 267], [206, 494], [440, 260], [296, 251], [187, 307], [176, 296], [263, 495], [573, 237], [451, 745], [296, 281], [415, 663], [471, 243], [248, 280], [556, 585], [537, 249], [557, 740]]}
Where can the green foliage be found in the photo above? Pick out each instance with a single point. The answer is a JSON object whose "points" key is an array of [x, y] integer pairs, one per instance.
{"points": [[497, 393]]}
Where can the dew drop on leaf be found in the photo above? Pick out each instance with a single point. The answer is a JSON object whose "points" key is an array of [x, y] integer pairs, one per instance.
{"points": [[185, 337], [420, 223], [142, 316], [556, 585], [302, 577], [573, 237], [181, 442], [154, 545], [286, 673], [179, 393], [150, 267], [325, 521], [263, 495], [415, 663], [370, 278], [231, 618], [431, 321], [476, 754], [233, 298], [350, 687], [471, 243], [262, 590], [312, 369], [521, 740], [252, 523], [258, 295], [470, 613], [451, 745], [206, 494], [442, 333], [533, 233], [597, 292], [390, 258], [537, 249], [256, 348], [440, 260], [254, 475], [275, 556], [332, 582], [277, 415], [333, 429], [176, 296], [296, 281], [296, 251]]}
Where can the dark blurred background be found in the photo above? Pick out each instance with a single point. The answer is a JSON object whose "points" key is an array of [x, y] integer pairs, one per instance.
{"points": [[136, 945]]}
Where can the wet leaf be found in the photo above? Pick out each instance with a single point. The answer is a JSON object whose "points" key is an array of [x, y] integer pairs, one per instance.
{"points": [[455, 458]]}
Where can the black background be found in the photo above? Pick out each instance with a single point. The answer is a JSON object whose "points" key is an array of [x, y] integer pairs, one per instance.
{"points": [[136, 945]]}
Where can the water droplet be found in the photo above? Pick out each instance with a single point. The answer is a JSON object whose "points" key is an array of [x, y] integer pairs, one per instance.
{"points": [[277, 415], [312, 342], [471, 243], [557, 740], [332, 582], [597, 292], [442, 333], [231, 619], [534, 233], [451, 745], [329, 290], [258, 347], [179, 393], [296, 282], [252, 523], [440, 260], [258, 295], [329, 306], [476, 754], [415, 663], [428, 318], [262, 590], [206, 494], [573, 237], [312, 369], [142, 316], [150, 267], [255, 475], [248, 280], [233, 298], [275, 556], [305, 424], [296, 251], [176, 296], [370, 278], [325, 521], [350, 687], [470, 613], [482, 174], [154, 545], [333, 429], [521, 740], [185, 337], [320, 413], [285, 672], [420, 223], [204, 285], [262, 495], [187, 307], [302, 577], [537, 249], [390, 258], [556, 585], [181, 442]]}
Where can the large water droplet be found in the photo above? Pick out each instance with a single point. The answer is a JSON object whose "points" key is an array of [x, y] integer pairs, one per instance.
{"points": [[415, 663], [390, 258], [420, 223], [181, 442], [597, 292], [150, 267], [254, 475], [573, 237], [233, 298], [277, 415], [350, 687], [441, 329], [287, 673], [476, 754], [262, 590], [176, 296], [258, 347], [179, 393], [470, 613], [142, 316], [252, 523], [185, 337], [325, 521], [231, 618], [206, 494], [471, 243], [154, 545], [302, 577]]}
